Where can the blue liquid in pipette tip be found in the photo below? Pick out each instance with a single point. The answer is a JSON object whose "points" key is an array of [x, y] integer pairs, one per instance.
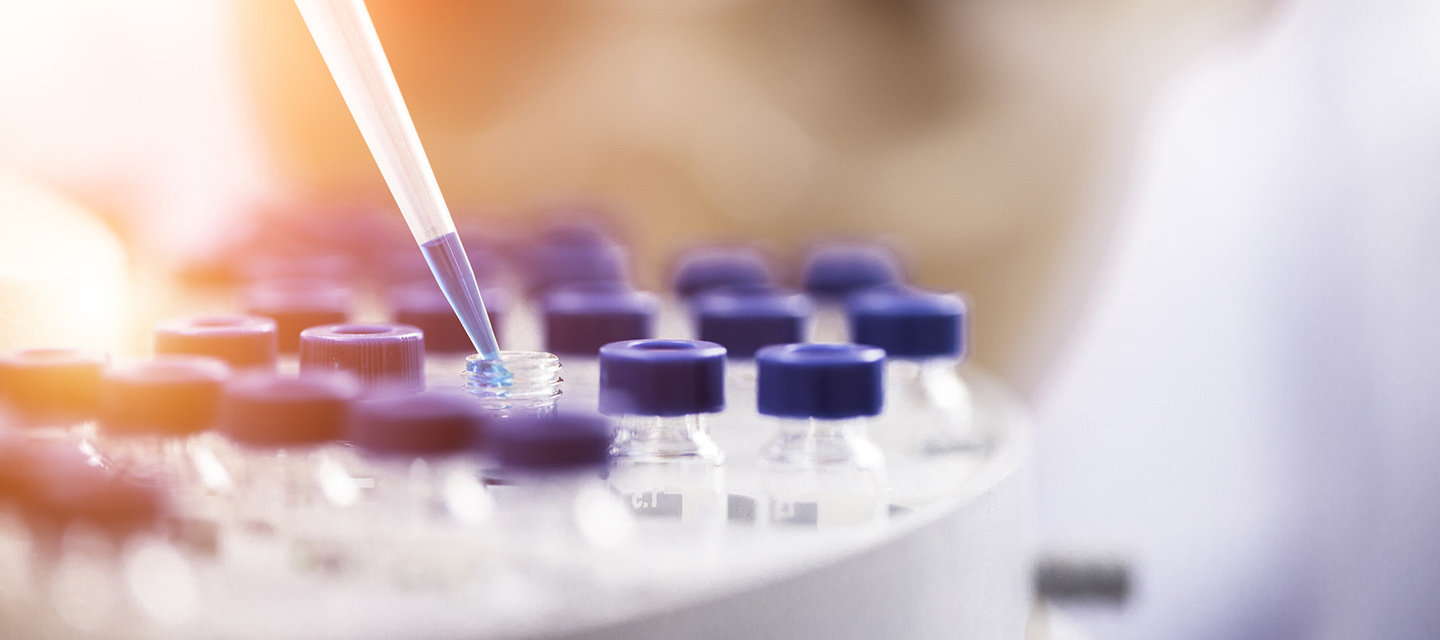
{"points": [[457, 280]]}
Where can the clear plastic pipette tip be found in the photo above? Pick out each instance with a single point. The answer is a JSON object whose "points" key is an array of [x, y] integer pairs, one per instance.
{"points": [[347, 40]]}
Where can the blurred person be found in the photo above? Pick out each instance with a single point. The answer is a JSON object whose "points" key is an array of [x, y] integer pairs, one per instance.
{"points": [[1252, 406]]}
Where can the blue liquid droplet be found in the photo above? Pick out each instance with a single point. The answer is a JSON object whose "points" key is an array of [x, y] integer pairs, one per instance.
{"points": [[488, 373]]}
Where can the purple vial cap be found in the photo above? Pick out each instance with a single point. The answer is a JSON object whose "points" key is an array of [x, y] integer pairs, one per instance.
{"points": [[382, 356], [705, 269], [170, 395], [662, 377], [52, 385], [828, 381], [427, 423], [267, 410], [579, 319], [296, 305], [552, 265], [561, 441], [908, 322], [243, 342], [840, 269], [423, 305], [743, 319]]}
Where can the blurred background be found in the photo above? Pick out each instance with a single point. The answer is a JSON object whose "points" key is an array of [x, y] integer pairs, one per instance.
{"points": [[1198, 235]]}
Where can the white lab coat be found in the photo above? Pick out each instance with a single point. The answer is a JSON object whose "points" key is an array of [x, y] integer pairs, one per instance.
{"points": [[1252, 405]]}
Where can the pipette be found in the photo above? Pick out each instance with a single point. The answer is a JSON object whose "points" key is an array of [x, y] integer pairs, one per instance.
{"points": [[346, 37]]}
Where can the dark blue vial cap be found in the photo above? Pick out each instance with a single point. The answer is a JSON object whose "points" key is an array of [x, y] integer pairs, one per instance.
{"points": [[702, 270], [828, 381], [580, 319], [662, 377], [267, 410], [743, 319], [427, 423], [564, 440], [840, 269], [908, 322]]}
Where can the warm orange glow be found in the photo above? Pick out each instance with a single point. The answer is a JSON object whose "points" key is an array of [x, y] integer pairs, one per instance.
{"points": [[63, 274]]}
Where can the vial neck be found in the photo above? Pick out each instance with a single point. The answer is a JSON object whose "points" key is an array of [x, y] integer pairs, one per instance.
{"points": [[526, 383], [936, 381], [816, 429], [143, 449], [665, 436], [811, 441], [923, 368]]}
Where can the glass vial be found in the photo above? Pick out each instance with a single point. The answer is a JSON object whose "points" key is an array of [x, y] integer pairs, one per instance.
{"points": [[821, 469], [922, 333], [286, 483], [527, 383], [423, 503], [150, 411], [154, 417], [100, 566], [666, 466], [553, 508]]}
